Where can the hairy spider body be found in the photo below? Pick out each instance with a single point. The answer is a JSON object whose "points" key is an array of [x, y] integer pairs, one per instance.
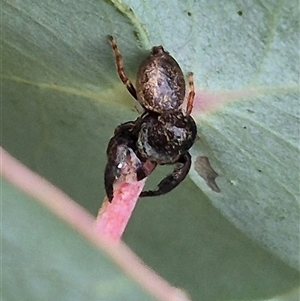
{"points": [[163, 134]]}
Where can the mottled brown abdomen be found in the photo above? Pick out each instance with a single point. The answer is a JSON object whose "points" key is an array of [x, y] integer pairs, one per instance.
{"points": [[160, 84]]}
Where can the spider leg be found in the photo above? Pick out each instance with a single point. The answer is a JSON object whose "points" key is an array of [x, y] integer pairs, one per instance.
{"points": [[123, 163], [120, 67], [109, 179], [145, 170], [174, 179], [118, 152], [191, 96]]}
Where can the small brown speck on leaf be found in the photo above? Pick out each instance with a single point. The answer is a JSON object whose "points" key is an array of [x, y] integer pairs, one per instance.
{"points": [[205, 171]]}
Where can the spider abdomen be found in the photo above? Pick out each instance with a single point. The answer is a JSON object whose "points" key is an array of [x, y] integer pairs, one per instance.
{"points": [[160, 83]]}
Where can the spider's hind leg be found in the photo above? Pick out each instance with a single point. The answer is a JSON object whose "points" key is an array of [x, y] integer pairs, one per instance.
{"points": [[191, 96], [120, 67]]}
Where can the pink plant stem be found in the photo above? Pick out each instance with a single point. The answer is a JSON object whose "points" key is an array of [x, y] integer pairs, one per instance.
{"points": [[113, 217], [63, 207]]}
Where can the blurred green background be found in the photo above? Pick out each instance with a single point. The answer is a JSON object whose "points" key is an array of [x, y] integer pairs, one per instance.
{"points": [[61, 100]]}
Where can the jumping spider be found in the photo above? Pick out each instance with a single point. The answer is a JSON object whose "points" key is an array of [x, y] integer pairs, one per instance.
{"points": [[163, 134]]}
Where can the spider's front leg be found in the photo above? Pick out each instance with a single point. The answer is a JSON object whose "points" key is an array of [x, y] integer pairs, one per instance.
{"points": [[119, 154], [121, 166], [174, 179], [123, 163]]}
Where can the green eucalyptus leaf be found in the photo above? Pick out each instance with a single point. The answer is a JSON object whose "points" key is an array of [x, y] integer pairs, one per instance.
{"points": [[61, 100], [44, 259]]}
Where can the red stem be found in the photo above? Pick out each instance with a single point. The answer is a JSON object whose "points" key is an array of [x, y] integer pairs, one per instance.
{"points": [[113, 217]]}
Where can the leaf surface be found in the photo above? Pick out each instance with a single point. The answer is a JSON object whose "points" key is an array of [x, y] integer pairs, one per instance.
{"points": [[61, 100]]}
